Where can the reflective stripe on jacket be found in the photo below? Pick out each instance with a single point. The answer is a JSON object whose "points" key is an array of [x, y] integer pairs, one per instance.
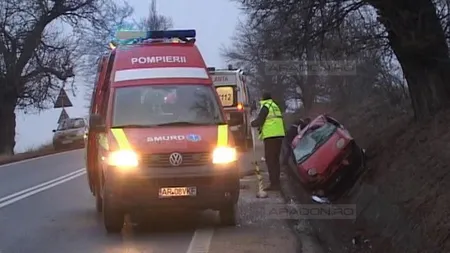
{"points": [[273, 125]]}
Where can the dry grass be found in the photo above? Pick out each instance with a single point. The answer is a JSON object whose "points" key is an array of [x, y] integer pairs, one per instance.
{"points": [[33, 152]]}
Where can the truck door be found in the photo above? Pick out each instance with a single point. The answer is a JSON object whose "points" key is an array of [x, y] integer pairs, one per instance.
{"points": [[98, 106]]}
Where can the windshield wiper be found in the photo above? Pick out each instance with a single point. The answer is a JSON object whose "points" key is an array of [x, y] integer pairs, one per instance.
{"points": [[181, 123], [133, 126]]}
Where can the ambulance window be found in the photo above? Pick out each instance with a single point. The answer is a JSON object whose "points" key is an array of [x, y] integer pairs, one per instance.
{"points": [[226, 95], [162, 104]]}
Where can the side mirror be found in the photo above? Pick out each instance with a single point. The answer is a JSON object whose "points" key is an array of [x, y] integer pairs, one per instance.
{"points": [[54, 130], [96, 123]]}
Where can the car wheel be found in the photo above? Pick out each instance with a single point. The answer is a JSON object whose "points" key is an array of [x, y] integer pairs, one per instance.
{"points": [[56, 146], [113, 215], [228, 215]]}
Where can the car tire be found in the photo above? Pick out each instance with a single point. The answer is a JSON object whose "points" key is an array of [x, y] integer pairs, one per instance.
{"points": [[113, 215], [56, 146], [228, 215]]}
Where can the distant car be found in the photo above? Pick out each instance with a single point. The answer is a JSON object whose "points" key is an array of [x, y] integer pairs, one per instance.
{"points": [[70, 133], [325, 153]]}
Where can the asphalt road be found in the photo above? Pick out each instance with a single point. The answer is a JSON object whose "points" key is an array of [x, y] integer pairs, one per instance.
{"points": [[46, 206]]}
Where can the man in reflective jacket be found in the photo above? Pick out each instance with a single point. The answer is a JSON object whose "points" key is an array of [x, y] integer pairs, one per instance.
{"points": [[271, 128]]}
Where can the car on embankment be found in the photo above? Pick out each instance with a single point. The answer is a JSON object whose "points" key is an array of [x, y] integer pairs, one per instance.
{"points": [[325, 154]]}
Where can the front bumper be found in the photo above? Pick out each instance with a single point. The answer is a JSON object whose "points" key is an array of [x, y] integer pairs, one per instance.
{"points": [[69, 141], [328, 183], [216, 187]]}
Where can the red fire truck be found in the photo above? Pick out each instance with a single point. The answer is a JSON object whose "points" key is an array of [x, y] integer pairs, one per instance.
{"points": [[158, 137], [231, 86]]}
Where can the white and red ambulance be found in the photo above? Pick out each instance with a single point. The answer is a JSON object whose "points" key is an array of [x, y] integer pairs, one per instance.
{"points": [[231, 86], [158, 136]]}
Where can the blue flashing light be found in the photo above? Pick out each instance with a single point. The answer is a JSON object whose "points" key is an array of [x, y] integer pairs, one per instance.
{"points": [[129, 37], [171, 34]]}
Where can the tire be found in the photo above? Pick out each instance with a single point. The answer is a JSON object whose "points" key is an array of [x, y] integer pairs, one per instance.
{"points": [[98, 198], [113, 216], [228, 215], [243, 145], [56, 146]]}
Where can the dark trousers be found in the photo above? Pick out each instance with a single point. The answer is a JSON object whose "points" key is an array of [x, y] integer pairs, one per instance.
{"points": [[272, 148]]}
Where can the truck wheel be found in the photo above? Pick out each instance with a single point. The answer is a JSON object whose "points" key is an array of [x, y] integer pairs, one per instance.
{"points": [[113, 217], [249, 142], [244, 145], [98, 198], [113, 214], [228, 215]]}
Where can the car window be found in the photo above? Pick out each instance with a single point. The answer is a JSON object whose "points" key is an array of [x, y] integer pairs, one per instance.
{"points": [[71, 124], [62, 125], [312, 140], [163, 104]]}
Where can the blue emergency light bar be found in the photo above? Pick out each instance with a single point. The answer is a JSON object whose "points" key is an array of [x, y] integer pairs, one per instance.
{"points": [[133, 37]]}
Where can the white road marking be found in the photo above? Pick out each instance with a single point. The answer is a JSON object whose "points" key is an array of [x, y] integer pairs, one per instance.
{"points": [[39, 185], [8, 200], [201, 241], [36, 158]]}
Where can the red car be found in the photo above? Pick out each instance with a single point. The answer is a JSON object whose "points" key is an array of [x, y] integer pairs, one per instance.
{"points": [[325, 153]]}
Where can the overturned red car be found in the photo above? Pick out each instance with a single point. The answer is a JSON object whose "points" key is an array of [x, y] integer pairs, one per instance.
{"points": [[325, 153]]}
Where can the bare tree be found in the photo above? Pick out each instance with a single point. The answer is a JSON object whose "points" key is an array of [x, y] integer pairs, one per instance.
{"points": [[118, 18], [38, 52], [414, 32], [302, 42], [155, 21]]}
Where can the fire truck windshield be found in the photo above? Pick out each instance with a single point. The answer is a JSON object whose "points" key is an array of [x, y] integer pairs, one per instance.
{"points": [[154, 105]]}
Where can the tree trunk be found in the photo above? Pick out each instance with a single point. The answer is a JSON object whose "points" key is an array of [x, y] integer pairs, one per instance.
{"points": [[8, 123], [418, 40]]}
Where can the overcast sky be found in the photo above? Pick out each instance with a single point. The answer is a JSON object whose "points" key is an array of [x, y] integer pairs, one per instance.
{"points": [[214, 20]]}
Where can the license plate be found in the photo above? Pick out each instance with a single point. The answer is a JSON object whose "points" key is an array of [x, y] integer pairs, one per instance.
{"points": [[177, 192], [67, 142]]}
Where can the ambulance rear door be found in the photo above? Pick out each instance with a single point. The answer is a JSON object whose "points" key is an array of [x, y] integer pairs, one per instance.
{"points": [[225, 83]]}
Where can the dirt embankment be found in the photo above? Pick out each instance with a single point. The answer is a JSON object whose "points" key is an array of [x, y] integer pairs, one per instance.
{"points": [[403, 201]]}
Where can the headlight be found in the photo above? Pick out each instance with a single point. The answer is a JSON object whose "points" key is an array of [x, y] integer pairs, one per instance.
{"points": [[223, 155], [123, 158], [340, 143], [312, 172]]}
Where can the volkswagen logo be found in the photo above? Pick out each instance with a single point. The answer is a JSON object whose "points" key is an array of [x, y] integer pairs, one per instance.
{"points": [[176, 159]]}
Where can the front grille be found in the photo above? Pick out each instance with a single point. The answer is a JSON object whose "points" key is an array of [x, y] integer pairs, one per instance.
{"points": [[189, 159]]}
